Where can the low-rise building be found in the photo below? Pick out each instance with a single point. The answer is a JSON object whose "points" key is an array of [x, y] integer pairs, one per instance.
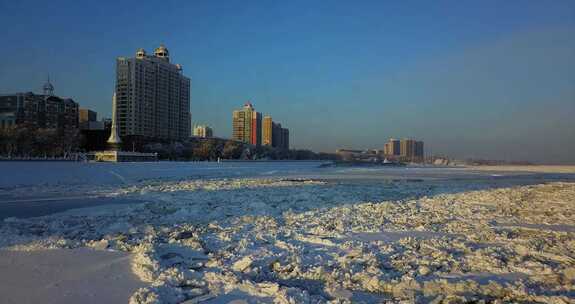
{"points": [[85, 115], [88, 120], [203, 131], [38, 110]]}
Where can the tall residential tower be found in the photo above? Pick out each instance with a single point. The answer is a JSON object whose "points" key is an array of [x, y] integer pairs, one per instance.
{"points": [[267, 131], [392, 147], [153, 97], [411, 150], [274, 135], [247, 125]]}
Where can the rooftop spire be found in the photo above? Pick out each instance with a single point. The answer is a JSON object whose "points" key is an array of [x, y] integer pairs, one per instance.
{"points": [[48, 87]]}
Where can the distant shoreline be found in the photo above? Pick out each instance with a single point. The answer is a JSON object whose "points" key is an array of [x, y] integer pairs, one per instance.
{"points": [[39, 160], [165, 160], [526, 168]]}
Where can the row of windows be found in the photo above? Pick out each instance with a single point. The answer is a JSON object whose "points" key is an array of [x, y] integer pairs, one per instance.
{"points": [[7, 123]]}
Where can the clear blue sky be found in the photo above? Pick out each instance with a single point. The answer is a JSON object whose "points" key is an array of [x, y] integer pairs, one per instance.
{"points": [[491, 79]]}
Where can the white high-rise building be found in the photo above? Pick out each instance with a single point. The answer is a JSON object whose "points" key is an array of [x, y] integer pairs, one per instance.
{"points": [[153, 97]]}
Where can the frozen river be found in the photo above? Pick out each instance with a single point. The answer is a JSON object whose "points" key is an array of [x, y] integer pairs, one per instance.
{"points": [[285, 232], [74, 173], [29, 189], [18, 174]]}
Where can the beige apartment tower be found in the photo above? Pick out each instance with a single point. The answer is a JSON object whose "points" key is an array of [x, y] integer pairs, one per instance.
{"points": [[392, 147], [411, 150], [407, 147], [242, 123], [153, 96], [267, 129]]}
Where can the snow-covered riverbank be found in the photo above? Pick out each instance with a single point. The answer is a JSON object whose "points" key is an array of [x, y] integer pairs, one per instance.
{"points": [[291, 240]]}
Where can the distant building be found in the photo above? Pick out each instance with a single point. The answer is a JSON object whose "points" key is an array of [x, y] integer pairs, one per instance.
{"points": [[285, 139], [267, 129], [256, 136], [411, 150], [387, 150], [280, 136], [92, 125], [418, 150], [203, 131], [392, 147], [351, 151], [350, 154], [242, 123], [10, 105], [88, 120], [85, 115], [407, 147], [274, 135], [153, 97], [38, 110], [247, 125]]}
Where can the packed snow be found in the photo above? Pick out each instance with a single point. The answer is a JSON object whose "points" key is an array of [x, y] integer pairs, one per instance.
{"points": [[327, 237], [58, 276]]}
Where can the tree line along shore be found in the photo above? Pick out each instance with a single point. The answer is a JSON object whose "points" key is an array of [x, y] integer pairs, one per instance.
{"points": [[29, 142]]}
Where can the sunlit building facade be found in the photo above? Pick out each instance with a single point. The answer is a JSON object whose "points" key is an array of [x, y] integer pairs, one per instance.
{"points": [[267, 129], [392, 147], [250, 127], [203, 131], [242, 123], [153, 96], [411, 150]]}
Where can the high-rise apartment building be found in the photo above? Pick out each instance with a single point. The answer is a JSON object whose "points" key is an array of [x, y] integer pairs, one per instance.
{"points": [[247, 125], [285, 139], [276, 134], [418, 150], [407, 147], [153, 96], [395, 146], [256, 136], [392, 147], [411, 149], [203, 131], [267, 129], [387, 150], [242, 123], [280, 136]]}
